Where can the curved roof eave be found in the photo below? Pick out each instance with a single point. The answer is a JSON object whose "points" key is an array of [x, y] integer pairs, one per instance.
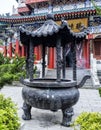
{"points": [[51, 28]]}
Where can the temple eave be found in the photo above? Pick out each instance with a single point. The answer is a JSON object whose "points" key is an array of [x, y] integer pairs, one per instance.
{"points": [[57, 16]]}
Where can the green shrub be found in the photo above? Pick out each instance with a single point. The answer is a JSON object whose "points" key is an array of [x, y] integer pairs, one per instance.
{"points": [[12, 69], [88, 121], [1, 82], [7, 60], [7, 78], [4, 60], [1, 59], [17, 76], [7, 68], [9, 119], [19, 63]]}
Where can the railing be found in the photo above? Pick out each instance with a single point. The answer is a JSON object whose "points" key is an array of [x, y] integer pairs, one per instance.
{"points": [[94, 71]]}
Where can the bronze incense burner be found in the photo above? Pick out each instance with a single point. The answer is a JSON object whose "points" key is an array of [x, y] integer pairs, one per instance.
{"points": [[47, 93]]}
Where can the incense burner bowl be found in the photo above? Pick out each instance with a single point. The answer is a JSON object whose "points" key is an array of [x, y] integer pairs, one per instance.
{"points": [[50, 95]]}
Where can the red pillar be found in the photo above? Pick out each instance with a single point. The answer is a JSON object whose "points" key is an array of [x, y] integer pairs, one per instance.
{"points": [[36, 53], [5, 51], [10, 49], [39, 52], [51, 58], [23, 51], [17, 48], [86, 53]]}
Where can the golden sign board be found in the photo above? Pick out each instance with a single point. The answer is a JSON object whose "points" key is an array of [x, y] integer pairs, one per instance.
{"points": [[76, 24]]}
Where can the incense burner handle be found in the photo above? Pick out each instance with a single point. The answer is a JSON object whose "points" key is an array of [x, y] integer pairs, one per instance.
{"points": [[83, 81]]}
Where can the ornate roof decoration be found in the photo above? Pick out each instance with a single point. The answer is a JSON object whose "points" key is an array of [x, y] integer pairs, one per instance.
{"points": [[67, 10], [41, 17], [49, 31]]}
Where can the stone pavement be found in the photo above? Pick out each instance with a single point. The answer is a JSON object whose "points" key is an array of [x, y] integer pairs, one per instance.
{"points": [[89, 101]]}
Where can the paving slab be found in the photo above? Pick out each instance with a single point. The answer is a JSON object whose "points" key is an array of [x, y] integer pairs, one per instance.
{"points": [[89, 101]]}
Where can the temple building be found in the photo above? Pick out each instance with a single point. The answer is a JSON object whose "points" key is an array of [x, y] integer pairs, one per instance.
{"points": [[79, 14]]}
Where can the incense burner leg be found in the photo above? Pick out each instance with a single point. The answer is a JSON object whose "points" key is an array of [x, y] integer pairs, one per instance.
{"points": [[67, 116], [27, 111]]}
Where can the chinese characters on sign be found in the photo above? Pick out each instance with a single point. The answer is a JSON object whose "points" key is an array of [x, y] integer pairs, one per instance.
{"points": [[76, 24]]}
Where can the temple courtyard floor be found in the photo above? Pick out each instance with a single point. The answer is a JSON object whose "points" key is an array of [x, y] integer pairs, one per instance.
{"points": [[89, 101]]}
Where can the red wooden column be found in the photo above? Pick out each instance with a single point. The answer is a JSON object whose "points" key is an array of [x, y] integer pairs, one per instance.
{"points": [[86, 53], [36, 53], [51, 58], [5, 51], [10, 49], [23, 51], [39, 52], [17, 48]]}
